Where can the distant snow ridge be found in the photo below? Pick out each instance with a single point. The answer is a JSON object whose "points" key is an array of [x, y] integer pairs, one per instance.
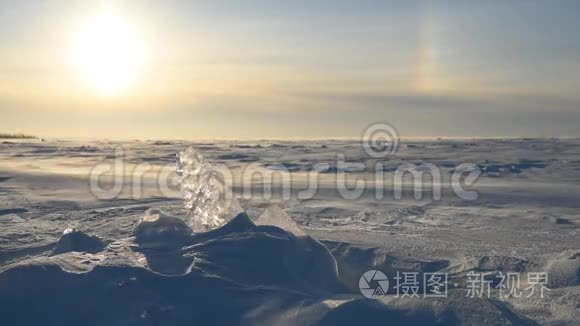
{"points": [[208, 200]]}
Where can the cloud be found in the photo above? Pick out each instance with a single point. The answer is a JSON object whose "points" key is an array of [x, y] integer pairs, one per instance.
{"points": [[445, 102]]}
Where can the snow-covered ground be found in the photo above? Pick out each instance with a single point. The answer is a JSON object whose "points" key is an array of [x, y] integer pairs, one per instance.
{"points": [[525, 220]]}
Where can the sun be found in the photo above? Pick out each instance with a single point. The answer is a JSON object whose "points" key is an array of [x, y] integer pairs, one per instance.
{"points": [[108, 53]]}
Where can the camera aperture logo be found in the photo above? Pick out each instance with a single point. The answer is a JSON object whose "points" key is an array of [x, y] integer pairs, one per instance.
{"points": [[373, 284]]}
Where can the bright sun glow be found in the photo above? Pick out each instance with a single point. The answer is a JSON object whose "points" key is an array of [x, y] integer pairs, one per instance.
{"points": [[109, 54]]}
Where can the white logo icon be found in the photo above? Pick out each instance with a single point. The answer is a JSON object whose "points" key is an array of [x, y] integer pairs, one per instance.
{"points": [[380, 140], [373, 284]]}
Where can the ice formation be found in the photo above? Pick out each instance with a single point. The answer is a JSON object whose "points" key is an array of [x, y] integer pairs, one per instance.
{"points": [[274, 215], [208, 200], [157, 229]]}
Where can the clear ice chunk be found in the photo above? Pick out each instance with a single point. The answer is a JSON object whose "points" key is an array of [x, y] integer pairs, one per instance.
{"points": [[276, 216], [208, 200]]}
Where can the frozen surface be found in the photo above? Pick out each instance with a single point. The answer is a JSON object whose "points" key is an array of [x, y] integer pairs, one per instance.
{"points": [[526, 219]]}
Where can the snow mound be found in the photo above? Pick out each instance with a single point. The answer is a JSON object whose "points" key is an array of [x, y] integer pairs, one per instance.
{"points": [[354, 260], [254, 274], [269, 256], [374, 312], [564, 270], [75, 240]]}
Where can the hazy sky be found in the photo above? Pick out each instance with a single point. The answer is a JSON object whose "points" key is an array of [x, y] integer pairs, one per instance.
{"points": [[299, 69]]}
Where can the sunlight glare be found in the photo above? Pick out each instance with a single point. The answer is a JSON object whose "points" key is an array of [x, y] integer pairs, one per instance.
{"points": [[109, 54]]}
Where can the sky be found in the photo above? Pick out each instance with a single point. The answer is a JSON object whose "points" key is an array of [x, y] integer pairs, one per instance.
{"points": [[291, 69]]}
